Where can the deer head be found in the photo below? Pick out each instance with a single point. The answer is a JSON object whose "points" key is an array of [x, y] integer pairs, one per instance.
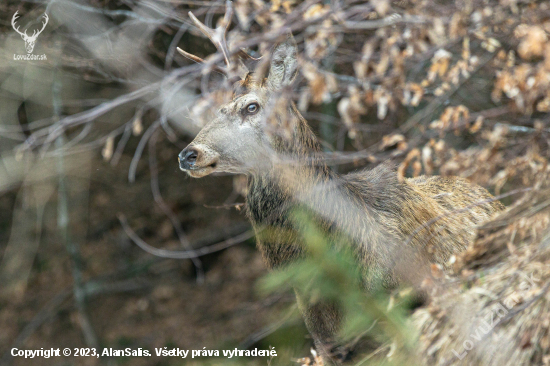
{"points": [[237, 141], [30, 41]]}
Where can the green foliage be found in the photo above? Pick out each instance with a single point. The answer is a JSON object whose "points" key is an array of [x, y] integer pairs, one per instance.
{"points": [[330, 272]]}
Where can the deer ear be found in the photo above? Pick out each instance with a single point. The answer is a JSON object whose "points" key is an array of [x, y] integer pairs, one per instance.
{"points": [[283, 63]]}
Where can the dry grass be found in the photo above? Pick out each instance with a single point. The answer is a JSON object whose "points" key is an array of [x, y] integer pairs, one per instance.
{"points": [[496, 310]]}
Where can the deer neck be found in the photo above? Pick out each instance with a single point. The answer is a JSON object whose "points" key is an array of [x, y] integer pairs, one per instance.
{"points": [[296, 169], [298, 158]]}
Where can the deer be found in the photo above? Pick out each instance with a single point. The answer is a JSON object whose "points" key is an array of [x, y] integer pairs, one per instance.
{"points": [[397, 227], [30, 41]]}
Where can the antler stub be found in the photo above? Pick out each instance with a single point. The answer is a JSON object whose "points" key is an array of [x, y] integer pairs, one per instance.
{"points": [[218, 37]]}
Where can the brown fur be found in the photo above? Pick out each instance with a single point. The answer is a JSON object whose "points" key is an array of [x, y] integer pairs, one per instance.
{"points": [[395, 228]]}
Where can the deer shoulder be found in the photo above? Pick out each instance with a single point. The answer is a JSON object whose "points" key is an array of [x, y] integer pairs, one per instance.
{"points": [[424, 219]]}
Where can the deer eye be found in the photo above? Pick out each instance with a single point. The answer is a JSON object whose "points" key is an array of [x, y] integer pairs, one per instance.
{"points": [[251, 109]]}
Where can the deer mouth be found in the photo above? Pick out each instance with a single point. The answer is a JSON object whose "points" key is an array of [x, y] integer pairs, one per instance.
{"points": [[201, 171], [198, 161]]}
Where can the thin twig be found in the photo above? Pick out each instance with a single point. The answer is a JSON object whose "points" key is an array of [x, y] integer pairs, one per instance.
{"points": [[228, 206], [64, 221], [139, 150], [390, 20], [84, 117], [178, 254], [155, 188]]}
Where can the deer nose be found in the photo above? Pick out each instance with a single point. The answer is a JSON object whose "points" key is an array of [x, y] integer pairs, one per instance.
{"points": [[188, 157]]}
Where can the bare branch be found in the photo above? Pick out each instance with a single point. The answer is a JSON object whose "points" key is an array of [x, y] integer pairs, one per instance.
{"points": [[176, 254]]}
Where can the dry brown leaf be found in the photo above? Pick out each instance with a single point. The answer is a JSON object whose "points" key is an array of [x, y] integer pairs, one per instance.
{"points": [[391, 140]]}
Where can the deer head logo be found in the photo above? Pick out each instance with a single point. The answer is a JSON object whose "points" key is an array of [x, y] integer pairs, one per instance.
{"points": [[29, 40]]}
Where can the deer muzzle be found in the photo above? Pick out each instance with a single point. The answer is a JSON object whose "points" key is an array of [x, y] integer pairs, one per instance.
{"points": [[197, 162]]}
